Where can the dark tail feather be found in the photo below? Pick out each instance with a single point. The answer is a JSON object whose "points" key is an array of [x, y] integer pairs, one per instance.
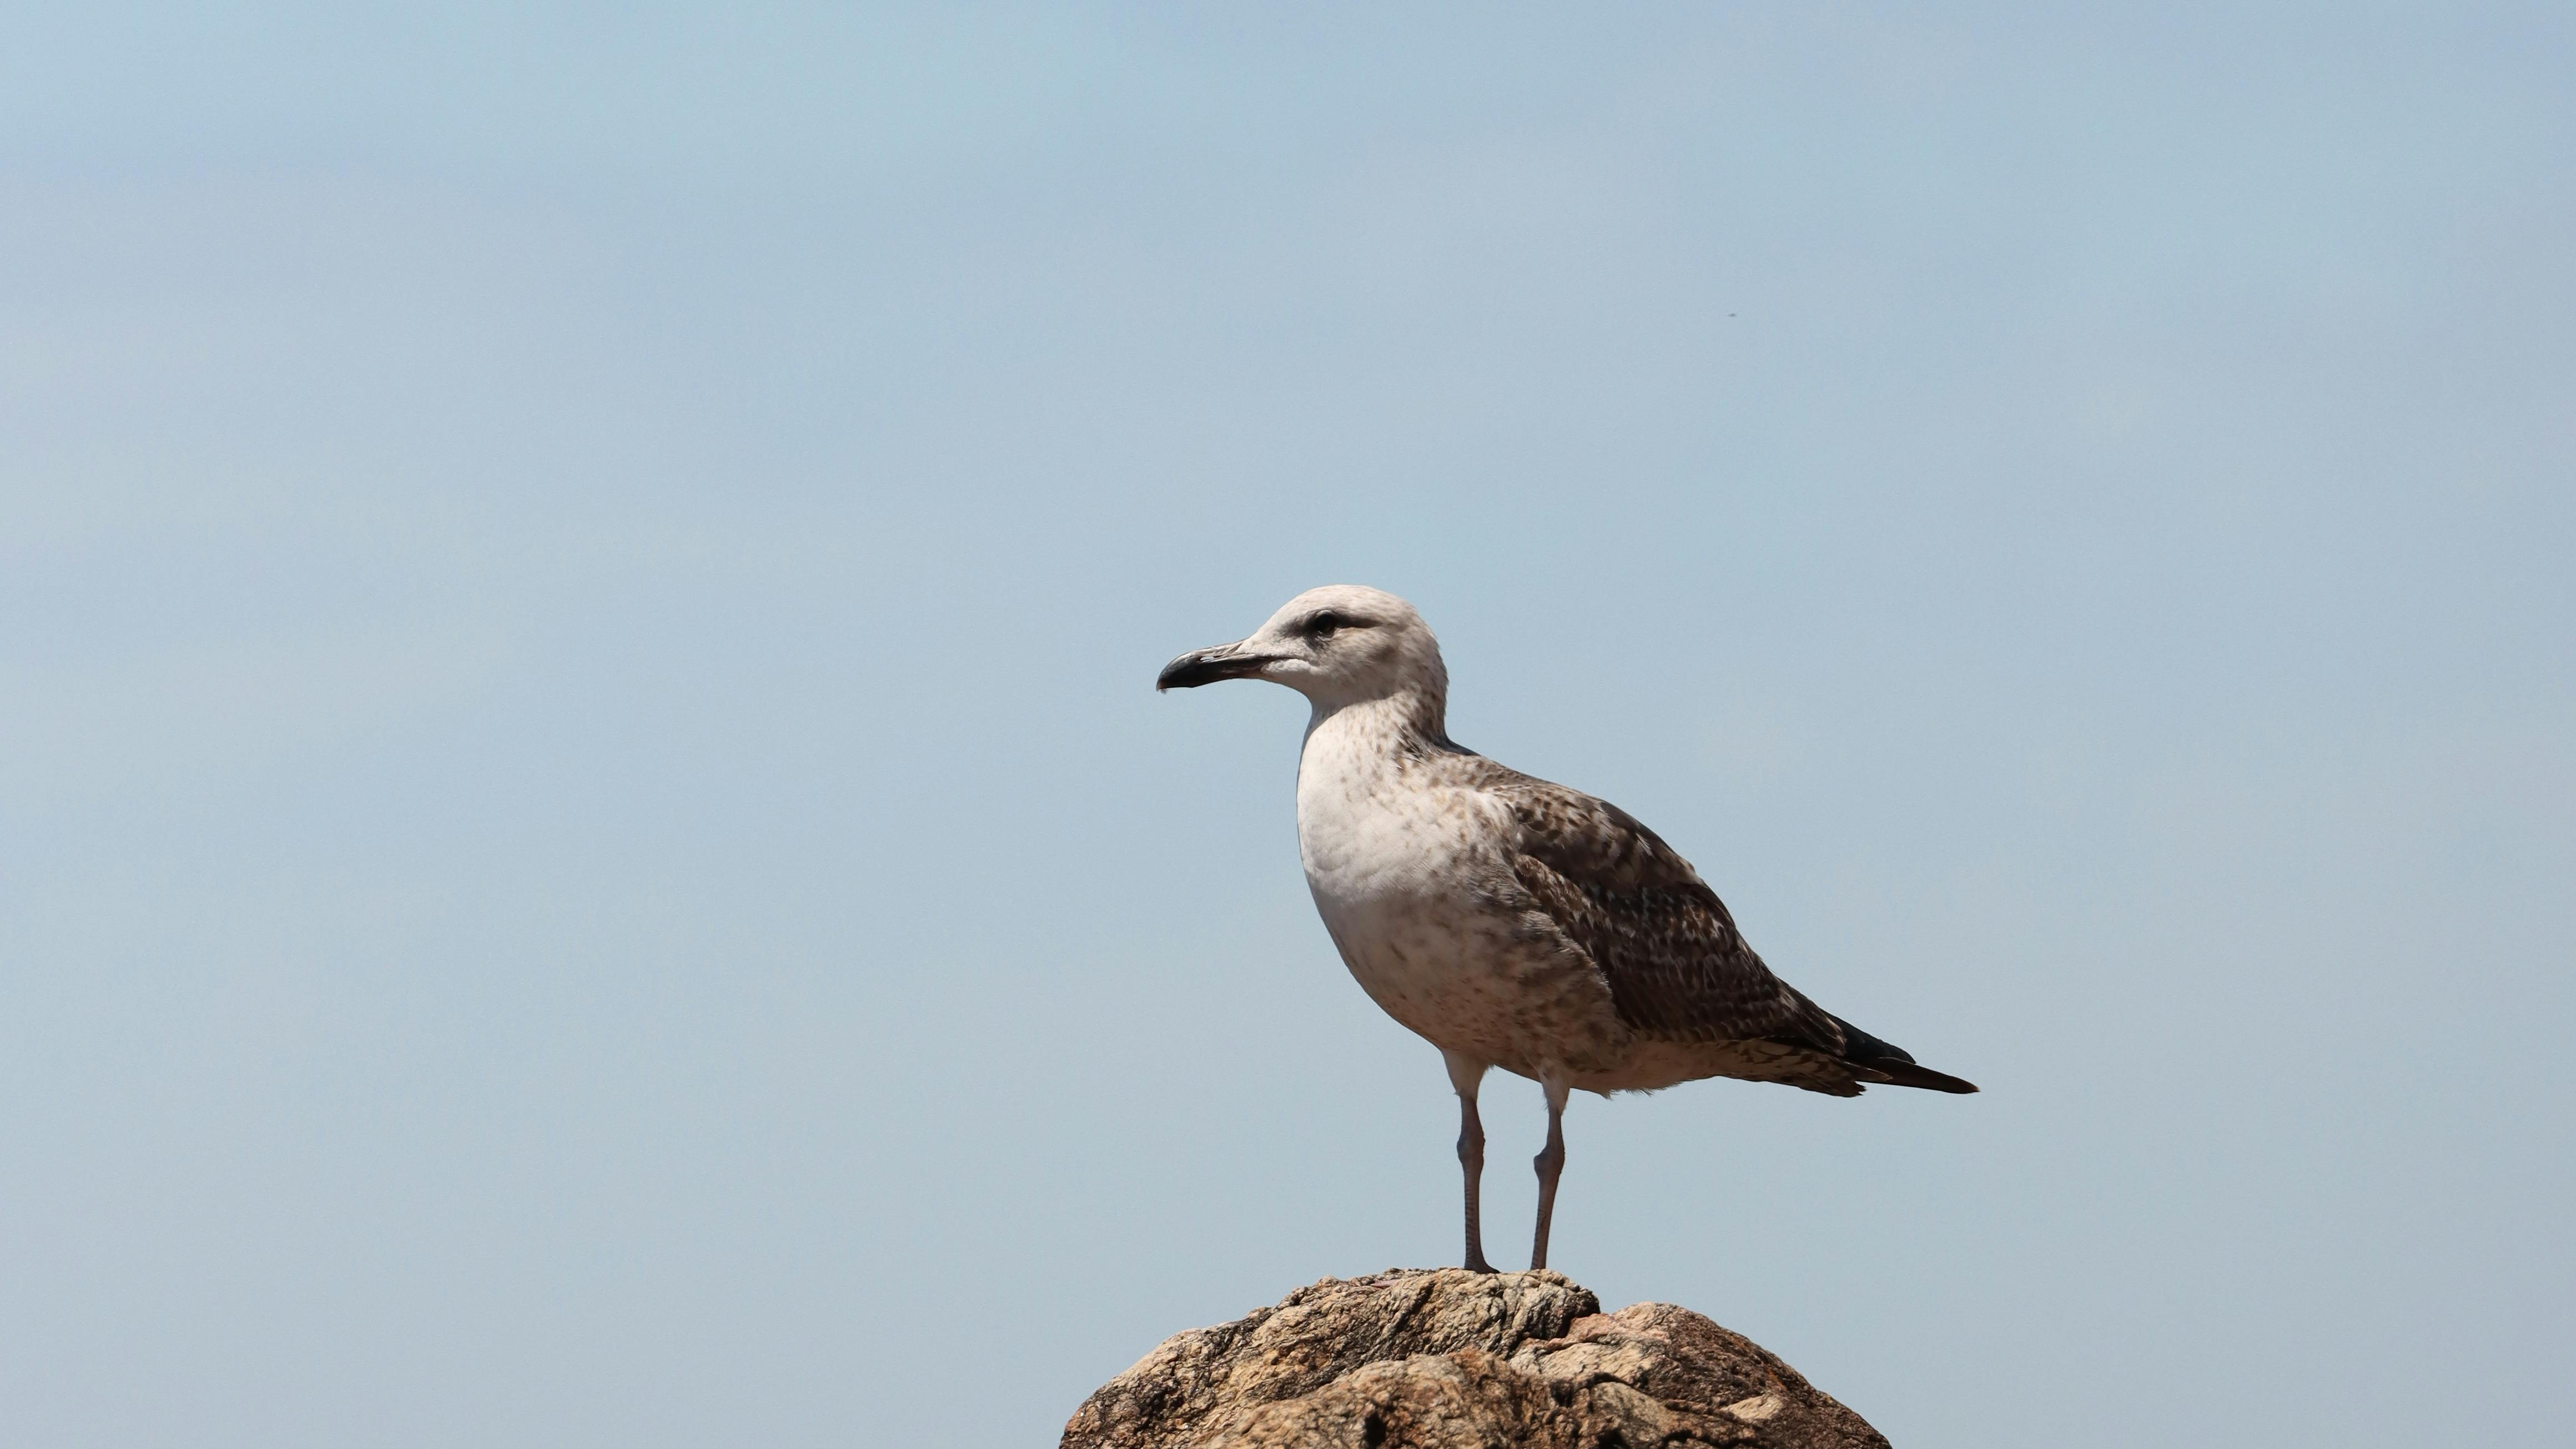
{"points": [[1906, 1074], [1892, 1063]]}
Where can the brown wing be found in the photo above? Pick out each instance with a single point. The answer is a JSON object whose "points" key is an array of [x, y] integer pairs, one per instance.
{"points": [[1677, 967]]}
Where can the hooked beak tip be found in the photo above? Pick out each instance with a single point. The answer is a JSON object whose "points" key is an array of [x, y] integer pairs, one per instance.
{"points": [[1207, 666]]}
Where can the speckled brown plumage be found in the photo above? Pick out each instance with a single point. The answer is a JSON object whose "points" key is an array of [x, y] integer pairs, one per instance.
{"points": [[1614, 894], [1675, 962]]}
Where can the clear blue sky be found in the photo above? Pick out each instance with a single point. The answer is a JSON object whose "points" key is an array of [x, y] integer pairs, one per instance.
{"points": [[587, 856]]}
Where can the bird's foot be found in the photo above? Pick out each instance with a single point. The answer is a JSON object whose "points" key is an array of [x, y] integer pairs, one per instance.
{"points": [[1476, 1264]]}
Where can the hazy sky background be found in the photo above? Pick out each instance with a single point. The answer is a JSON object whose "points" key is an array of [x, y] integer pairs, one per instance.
{"points": [[590, 858]]}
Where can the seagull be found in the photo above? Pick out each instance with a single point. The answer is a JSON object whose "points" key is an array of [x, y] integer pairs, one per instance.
{"points": [[1508, 921]]}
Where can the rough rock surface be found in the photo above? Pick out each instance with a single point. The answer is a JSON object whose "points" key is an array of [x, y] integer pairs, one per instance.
{"points": [[1445, 1359]]}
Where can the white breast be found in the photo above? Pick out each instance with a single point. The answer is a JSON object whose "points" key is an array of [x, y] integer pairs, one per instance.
{"points": [[1394, 866]]}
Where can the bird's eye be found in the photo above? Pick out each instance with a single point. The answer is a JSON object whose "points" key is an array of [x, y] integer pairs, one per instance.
{"points": [[1322, 626]]}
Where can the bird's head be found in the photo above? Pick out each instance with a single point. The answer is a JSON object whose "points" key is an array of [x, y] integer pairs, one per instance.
{"points": [[1338, 645]]}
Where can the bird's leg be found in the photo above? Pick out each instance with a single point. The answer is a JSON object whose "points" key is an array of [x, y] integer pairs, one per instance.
{"points": [[1550, 1162], [1464, 1074]]}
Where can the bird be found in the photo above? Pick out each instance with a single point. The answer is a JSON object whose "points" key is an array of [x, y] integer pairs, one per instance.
{"points": [[1509, 921]]}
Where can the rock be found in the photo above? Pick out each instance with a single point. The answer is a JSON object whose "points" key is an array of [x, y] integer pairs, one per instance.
{"points": [[1446, 1359]]}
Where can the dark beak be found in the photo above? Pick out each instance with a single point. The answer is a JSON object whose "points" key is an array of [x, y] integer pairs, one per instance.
{"points": [[1207, 666]]}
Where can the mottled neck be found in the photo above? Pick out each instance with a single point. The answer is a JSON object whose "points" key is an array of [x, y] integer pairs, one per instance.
{"points": [[1392, 725]]}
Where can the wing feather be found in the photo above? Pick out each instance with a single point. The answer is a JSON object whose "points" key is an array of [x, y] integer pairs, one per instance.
{"points": [[1677, 967]]}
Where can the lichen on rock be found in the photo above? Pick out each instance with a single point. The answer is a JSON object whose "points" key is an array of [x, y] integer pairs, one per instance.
{"points": [[1447, 1359]]}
